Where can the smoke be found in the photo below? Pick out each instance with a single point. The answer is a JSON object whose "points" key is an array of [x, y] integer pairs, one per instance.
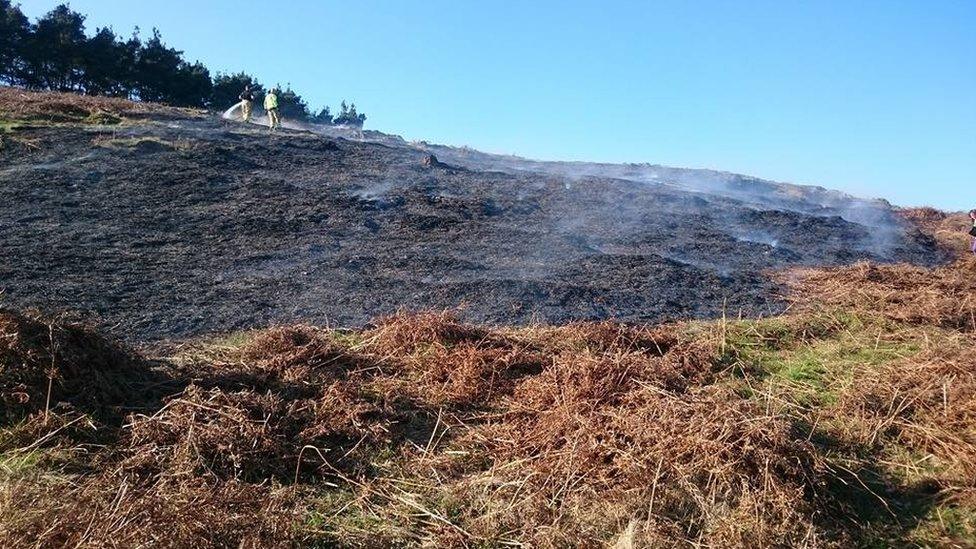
{"points": [[711, 266], [883, 229], [754, 236], [372, 192], [727, 198]]}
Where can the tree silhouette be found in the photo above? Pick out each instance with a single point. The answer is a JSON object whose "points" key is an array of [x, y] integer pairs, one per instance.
{"points": [[56, 54], [348, 116], [106, 65], [53, 56], [324, 116], [228, 87], [291, 105], [14, 32]]}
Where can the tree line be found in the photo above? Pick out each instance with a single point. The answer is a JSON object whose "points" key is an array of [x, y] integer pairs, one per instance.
{"points": [[55, 53]]}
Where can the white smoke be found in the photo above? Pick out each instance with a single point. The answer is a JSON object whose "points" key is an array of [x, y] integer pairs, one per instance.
{"points": [[883, 228]]}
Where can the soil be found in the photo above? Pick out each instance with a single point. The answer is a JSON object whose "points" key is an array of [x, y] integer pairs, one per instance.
{"points": [[168, 227]]}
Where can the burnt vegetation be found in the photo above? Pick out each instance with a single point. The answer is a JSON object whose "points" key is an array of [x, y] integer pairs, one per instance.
{"points": [[848, 421], [132, 203], [847, 418]]}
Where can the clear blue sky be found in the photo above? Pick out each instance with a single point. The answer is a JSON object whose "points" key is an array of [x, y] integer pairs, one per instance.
{"points": [[877, 98]]}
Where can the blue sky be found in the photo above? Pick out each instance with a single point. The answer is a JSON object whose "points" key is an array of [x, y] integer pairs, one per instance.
{"points": [[877, 98]]}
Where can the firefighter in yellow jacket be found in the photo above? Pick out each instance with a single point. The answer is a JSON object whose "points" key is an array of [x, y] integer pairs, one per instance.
{"points": [[271, 106]]}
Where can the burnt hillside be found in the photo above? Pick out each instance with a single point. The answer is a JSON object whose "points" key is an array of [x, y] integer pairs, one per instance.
{"points": [[168, 224]]}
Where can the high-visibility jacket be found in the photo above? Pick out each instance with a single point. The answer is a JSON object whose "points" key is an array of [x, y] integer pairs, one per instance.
{"points": [[270, 102]]}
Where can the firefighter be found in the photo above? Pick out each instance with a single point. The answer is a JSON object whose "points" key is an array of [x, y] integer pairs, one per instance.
{"points": [[247, 102], [972, 231], [271, 106]]}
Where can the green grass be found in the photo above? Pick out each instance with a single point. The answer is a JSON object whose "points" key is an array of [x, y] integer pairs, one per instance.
{"points": [[11, 132], [11, 126], [339, 517], [347, 338], [946, 525], [233, 340], [12, 129], [17, 464], [809, 363], [818, 370], [98, 118], [103, 118], [21, 456], [809, 360]]}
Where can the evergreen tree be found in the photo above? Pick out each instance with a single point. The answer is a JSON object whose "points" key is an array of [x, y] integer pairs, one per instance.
{"points": [[358, 117], [156, 67], [324, 116], [55, 50], [291, 105], [56, 54], [192, 86], [105, 65], [162, 75], [349, 117], [228, 87], [128, 60], [14, 31]]}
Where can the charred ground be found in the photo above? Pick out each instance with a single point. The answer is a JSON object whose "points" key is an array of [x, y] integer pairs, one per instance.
{"points": [[848, 420], [169, 223]]}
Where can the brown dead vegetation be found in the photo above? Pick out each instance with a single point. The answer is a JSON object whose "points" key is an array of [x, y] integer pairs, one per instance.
{"points": [[949, 229], [298, 353], [117, 509], [560, 415], [697, 465], [943, 296], [927, 403], [18, 104], [426, 431], [48, 361]]}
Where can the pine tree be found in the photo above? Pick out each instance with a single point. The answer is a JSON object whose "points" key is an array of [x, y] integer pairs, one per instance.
{"points": [[54, 51], [227, 89], [14, 32]]}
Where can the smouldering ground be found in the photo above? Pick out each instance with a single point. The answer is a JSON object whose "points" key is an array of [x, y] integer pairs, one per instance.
{"points": [[170, 224], [850, 420]]}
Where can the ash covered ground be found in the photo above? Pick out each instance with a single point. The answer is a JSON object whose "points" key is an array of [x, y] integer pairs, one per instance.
{"points": [[174, 227]]}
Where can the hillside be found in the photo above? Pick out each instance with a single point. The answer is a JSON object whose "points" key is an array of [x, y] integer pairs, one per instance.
{"points": [[168, 223], [814, 390], [849, 421]]}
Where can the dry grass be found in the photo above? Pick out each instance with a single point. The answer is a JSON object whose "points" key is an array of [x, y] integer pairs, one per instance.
{"points": [[119, 510], [927, 403], [46, 362], [702, 466], [23, 105], [849, 421], [944, 296]]}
